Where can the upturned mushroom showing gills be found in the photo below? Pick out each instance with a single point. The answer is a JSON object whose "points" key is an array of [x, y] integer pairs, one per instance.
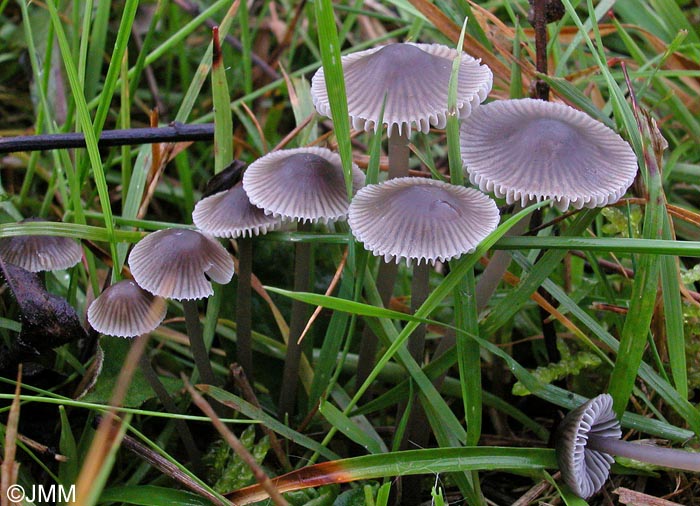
{"points": [[421, 220], [126, 310], [175, 263], [589, 436], [36, 253], [530, 149]]}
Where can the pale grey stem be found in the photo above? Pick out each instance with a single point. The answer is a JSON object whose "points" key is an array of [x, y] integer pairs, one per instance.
{"points": [[655, 455]]}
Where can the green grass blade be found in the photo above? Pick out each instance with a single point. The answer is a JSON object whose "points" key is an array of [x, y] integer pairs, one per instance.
{"points": [[335, 84]]}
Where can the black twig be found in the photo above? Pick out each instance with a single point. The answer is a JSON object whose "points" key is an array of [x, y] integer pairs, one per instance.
{"points": [[175, 132]]}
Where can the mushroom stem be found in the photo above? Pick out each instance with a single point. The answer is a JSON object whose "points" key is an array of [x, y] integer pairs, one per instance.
{"points": [[655, 455], [398, 153], [197, 346], [290, 375], [386, 275], [243, 307], [540, 8], [498, 265]]}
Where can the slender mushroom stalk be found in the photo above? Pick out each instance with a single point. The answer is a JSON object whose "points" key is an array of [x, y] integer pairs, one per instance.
{"points": [[229, 213], [414, 79], [588, 437], [127, 310], [306, 185], [175, 263]]}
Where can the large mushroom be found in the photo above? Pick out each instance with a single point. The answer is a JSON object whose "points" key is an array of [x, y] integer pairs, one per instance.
{"points": [[306, 185], [589, 436], [529, 150], [175, 263]]}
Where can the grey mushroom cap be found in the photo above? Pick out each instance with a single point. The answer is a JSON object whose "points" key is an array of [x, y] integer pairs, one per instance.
{"points": [[37, 253], [529, 149], [126, 310], [305, 184], [421, 220], [415, 79], [175, 264], [230, 214], [585, 470]]}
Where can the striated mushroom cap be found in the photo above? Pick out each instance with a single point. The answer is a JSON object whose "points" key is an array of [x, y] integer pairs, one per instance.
{"points": [[585, 470], [126, 310], [175, 263], [421, 219], [37, 253], [305, 184], [530, 149], [229, 213], [415, 79]]}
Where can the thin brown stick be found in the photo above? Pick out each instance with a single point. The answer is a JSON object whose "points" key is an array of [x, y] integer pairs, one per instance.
{"points": [[235, 444], [169, 469], [10, 467], [241, 381]]}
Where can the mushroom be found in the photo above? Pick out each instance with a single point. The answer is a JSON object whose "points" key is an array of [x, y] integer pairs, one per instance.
{"points": [[421, 220], [229, 213], [306, 185], [36, 253], [529, 149], [589, 436], [175, 263], [126, 310], [412, 82]]}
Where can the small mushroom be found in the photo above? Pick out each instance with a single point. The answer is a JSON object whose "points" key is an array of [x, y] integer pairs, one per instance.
{"points": [[126, 310], [229, 213], [589, 436], [37, 253], [303, 184], [529, 149], [421, 220], [306, 185], [175, 263]]}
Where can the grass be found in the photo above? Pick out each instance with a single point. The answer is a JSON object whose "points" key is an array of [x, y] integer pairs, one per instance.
{"points": [[77, 67]]}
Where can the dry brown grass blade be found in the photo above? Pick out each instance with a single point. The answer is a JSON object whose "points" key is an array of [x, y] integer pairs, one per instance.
{"points": [[634, 498], [501, 72], [236, 445], [109, 432], [329, 290], [10, 467]]}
